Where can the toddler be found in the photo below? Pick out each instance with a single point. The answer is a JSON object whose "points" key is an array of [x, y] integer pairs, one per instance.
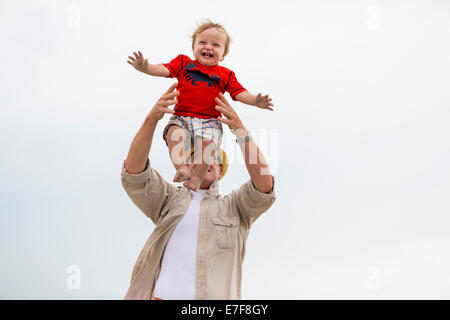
{"points": [[199, 83]]}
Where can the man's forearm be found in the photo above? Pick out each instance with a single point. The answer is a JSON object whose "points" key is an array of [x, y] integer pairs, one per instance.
{"points": [[140, 147], [256, 164], [254, 159]]}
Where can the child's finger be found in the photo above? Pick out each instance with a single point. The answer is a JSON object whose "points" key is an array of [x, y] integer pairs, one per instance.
{"points": [[140, 54], [136, 55], [131, 58]]}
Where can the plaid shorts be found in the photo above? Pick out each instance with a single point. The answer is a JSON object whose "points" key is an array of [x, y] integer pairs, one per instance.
{"points": [[210, 129]]}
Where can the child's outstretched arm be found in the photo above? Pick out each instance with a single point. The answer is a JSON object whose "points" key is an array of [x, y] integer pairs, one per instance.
{"points": [[260, 101], [142, 65]]}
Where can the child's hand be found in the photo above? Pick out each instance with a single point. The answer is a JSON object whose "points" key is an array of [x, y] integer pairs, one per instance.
{"points": [[139, 63], [263, 102]]}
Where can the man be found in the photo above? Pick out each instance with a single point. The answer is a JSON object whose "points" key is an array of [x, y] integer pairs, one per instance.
{"points": [[198, 245]]}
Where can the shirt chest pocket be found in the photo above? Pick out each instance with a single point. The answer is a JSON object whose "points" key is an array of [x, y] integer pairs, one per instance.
{"points": [[225, 231]]}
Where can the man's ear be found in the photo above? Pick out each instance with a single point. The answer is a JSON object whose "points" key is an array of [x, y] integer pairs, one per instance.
{"points": [[220, 172]]}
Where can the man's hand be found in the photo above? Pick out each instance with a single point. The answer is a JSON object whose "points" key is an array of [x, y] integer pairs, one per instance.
{"points": [[232, 120], [142, 142], [263, 102], [161, 106], [254, 159], [138, 62]]}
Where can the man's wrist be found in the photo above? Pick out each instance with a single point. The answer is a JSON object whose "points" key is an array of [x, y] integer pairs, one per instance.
{"points": [[243, 137], [239, 132], [150, 120]]}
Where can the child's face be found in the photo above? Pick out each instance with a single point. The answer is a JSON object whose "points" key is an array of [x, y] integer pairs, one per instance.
{"points": [[209, 46]]}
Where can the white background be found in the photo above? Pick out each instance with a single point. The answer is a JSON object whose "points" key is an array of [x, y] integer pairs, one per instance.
{"points": [[359, 143]]}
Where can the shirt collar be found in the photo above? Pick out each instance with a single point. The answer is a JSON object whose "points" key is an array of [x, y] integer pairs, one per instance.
{"points": [[199, 64], [213, 190]]}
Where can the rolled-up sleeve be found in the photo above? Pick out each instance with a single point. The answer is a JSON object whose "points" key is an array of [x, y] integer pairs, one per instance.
{"points": [[251, 203], [148, 190]]}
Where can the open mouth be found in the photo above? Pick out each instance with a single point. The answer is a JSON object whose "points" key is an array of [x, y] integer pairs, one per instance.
{"points": [[207, 54]]}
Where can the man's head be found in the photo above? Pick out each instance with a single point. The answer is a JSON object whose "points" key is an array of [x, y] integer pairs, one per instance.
{"points": [[210, 43], [217, 169], [214, 172]]}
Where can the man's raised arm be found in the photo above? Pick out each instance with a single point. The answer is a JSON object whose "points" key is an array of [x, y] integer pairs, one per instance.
{"points": [[142, 142], [254, 159]]}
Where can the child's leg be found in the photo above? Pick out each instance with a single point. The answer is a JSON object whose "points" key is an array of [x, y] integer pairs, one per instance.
{"points": [[176, 139], [204, 157]]}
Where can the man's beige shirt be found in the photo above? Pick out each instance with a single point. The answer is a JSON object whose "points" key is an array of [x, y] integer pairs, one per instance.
{"points": [[223, 228]]}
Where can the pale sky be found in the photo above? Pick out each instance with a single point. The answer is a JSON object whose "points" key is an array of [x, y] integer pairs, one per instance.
{"points": [[358, 143]]}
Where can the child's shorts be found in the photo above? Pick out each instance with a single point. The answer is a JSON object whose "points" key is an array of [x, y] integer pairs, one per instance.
{"points": [[210, 129]]}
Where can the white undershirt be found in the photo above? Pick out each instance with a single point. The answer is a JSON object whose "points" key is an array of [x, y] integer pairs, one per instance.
{"points": [[176, 280]]}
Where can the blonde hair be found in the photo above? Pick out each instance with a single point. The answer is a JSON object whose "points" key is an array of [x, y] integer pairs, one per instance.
{"points": [[207, 24]]}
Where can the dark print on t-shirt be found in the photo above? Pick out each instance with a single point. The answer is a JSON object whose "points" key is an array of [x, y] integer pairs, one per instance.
{"points": [[194, 75]]}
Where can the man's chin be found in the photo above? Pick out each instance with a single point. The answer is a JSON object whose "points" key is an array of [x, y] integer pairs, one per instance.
{"points": [[207, 182]]}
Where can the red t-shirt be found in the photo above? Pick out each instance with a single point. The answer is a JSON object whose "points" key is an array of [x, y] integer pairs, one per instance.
{"points": [[199, 85]]}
